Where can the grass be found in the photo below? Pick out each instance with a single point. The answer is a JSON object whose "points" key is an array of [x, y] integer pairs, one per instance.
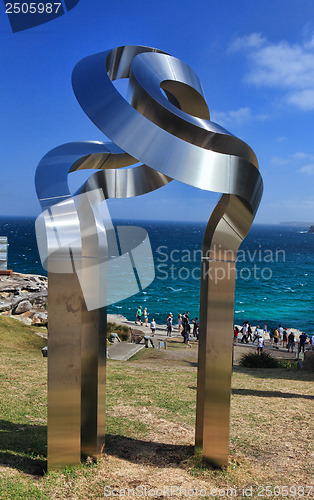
{"points": [[150, 426]]}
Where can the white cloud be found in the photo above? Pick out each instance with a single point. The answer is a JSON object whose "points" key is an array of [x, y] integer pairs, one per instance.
{"points": [[307, 169], [303, 99], [253, 40], [285, 66], [302, 162], [276, 160], [236, 117]]}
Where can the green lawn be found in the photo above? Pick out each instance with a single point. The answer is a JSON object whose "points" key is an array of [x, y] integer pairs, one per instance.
{"points": [[150, 426]]}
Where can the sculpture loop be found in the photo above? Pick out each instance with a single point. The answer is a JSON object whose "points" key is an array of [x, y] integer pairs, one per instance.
{"points": [[166, 127]]}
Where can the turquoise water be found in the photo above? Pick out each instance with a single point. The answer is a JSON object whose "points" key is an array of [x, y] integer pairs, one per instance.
{"points": [[275, 272]]}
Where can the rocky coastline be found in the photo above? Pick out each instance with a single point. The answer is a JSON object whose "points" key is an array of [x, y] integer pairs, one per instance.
{"points": [[24, 297]]}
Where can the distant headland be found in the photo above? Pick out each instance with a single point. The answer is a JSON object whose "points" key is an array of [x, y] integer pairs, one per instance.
{"points": [[297, 223]]}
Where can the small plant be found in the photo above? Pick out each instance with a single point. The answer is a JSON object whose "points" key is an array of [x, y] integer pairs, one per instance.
{"points": [[288, 364], [255, 360], [121, 330]]}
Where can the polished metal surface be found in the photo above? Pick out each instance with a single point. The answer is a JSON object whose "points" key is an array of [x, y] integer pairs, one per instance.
{"points": [[166, 126]]}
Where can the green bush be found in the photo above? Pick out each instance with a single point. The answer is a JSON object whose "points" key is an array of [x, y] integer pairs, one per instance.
{"points": [[255, 360], [121, 330], [288, 364]]}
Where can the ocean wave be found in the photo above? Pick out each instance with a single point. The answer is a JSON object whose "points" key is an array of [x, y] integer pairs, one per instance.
{"points": [[175, 289]]}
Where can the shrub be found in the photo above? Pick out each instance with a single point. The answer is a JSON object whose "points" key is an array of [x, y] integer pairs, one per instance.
{"points": [[121, 330], [288, 364], [255, 360]]}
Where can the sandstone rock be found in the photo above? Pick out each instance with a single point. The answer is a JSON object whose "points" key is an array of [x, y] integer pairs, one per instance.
{"points": [[24, 295], [22, 307], [39, 319], [5, 305]]}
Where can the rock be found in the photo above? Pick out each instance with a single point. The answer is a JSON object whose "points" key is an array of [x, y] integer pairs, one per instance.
{"points": [[311, 230], [5, 305], [308, 363], [136, 335], [39, 319], [22, 307], [24, 296]]}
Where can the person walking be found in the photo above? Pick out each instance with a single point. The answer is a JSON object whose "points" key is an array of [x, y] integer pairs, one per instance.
{"points": [[256, 335], [260, 345], [146, 314], [302, 341], [312, 342], [291, 342], [139, 316], [187, 339], [244, 333], [271, 336], [235, 335], [169, 325], [179, 323], [276, 339], [285, 337], [280, 330], [153, 326], [187, 332], [195, 327], [249, 333]]}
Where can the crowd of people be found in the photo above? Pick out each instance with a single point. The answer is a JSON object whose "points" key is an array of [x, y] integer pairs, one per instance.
{"points": [[184, 327], [184, 324], [277, 336]]}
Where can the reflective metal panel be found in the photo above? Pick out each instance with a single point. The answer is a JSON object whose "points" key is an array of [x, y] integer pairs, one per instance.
{"points": [[166, 126]]}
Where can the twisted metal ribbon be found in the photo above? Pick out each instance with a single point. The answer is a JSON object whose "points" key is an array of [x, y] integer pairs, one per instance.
{"points": [[166, 126]]}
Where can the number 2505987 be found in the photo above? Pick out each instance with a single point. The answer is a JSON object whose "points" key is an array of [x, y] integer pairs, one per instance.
{"points": [[32, 8]]}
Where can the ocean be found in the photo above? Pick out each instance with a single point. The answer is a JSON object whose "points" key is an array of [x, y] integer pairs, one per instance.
{"points": [[275, 271]]}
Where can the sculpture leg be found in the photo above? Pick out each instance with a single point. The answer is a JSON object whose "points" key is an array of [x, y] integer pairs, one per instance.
{"points": [[77, 336], [76, 374], [93, 409], [215, 363], [64, 370], [226, 229]]}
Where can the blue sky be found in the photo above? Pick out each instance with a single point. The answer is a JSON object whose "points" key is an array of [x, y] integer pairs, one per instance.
{"points": [[255, 61]]}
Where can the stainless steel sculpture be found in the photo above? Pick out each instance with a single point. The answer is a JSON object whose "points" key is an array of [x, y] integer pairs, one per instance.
{"points": [[166, 126]]}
